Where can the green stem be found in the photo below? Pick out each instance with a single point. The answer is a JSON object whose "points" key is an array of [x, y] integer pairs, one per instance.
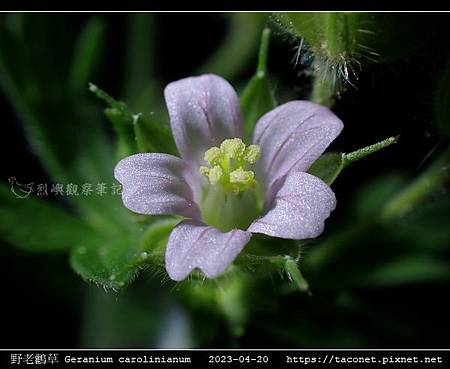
{"points": [[324, 88], [361, 153], [261, 70], [238, 47], [347, 159]]}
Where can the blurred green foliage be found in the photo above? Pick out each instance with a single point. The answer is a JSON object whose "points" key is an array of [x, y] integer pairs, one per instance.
{"points": [[394, 233]]}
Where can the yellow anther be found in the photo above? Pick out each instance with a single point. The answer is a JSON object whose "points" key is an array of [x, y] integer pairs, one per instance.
{"points": [[240, 176], [204, 170], [252, 154], [212, 155], [215, 174], [232, 148], [228, 165]]}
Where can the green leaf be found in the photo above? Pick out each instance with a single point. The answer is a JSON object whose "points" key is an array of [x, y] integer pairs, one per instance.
{"points": [[123, 125], [257, 98], [371, 198], [113, 260], [155, 238], [136, 132], [426, 227], [407, 270], [108, 261], [327, 167], [152, 136], [234, 301], [35, 225], [87, 53], [434, 178]]}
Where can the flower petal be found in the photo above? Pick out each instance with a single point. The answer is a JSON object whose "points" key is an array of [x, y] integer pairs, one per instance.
{"points": [[292, 137], [203, 111], [194, 245], [299, 210], [157, 184]]}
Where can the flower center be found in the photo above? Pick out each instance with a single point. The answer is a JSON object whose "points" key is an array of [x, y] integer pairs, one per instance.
{"points": [[230, 200], [228, 165]]}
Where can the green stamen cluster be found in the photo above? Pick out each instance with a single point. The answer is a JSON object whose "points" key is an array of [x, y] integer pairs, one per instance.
{"points": [[228, 165]]}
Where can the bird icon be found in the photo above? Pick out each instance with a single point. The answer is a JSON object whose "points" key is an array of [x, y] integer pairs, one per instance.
{"points": [[21, 191]]}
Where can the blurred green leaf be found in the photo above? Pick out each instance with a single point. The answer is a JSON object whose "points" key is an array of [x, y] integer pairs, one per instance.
{"points": [[126, 320], [35, 225], [87, 53], [113, 260], [238, 47], [64, 129], [431, 180], [408, 269], [123, 125], [141, 81], [257, 98], [425, 229], [49, 111], [386, 205], [374, 195], [234, 300]]}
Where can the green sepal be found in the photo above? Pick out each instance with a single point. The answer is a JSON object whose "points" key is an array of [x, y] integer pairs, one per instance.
{"points": [[327, 167], [288, 265]]}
